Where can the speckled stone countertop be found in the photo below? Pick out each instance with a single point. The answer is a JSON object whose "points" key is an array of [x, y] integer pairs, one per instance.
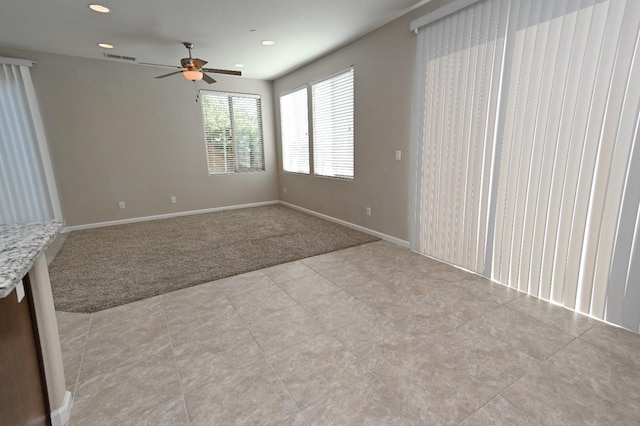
{"points": [[21, 244]]}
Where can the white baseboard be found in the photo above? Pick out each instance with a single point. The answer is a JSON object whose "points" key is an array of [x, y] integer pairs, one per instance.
{"points": [[394, 240], [61, 415], [163, 216], [389, 238]]}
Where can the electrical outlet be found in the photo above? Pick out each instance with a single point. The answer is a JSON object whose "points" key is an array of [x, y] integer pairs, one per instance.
{"points": [[173, 199], [398, 155], [285, 190], [121, 204], [368, 211]]}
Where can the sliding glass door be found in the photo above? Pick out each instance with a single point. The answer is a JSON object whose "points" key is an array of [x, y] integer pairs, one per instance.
{"points": [[526, 152]]}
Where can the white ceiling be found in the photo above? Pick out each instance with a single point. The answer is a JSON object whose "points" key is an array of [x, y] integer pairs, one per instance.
{"points": [[152, 30]]}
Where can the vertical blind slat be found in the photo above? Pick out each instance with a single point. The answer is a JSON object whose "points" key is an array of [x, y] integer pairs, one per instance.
{"points": [[562, 78], [563, 191], [471, 64], [459, 65], [463, 206], [522, 136], [613, 72], [543, 123], [536, 112], [624, 239], [24, 192], [585, 151]]}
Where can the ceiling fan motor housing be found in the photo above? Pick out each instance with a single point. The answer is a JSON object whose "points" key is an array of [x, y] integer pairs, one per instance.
{"points": [[186, 62]]}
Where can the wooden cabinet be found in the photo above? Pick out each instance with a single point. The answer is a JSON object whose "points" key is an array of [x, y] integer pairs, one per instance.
{"points": [[23, 394]]}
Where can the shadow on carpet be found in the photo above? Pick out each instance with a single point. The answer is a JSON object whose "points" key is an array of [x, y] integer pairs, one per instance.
{"points": [[105, 267]]}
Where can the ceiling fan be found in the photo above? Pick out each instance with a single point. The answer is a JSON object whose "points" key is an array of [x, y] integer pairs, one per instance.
{"points": [[192, 68]]}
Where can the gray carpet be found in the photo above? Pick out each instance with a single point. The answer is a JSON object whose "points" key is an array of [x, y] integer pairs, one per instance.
{"points": [[105, 267]]}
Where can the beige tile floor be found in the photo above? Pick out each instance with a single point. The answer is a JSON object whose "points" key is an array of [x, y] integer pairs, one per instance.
{"points": [[374, 334]]}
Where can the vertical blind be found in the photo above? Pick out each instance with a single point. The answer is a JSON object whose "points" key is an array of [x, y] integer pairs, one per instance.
{"points": [[27, 186], [563, 208], [571, 113], [294, 124], [233, 132], [332, 103], [462, 57]]}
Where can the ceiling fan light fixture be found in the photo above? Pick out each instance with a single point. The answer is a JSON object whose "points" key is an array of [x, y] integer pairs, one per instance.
{"points": [[99, 8], [192, 75]]}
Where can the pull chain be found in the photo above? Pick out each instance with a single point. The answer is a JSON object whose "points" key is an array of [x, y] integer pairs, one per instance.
{"points": [[195, 89]]}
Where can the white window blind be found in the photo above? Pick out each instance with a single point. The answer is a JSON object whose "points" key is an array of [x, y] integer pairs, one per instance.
{"points": [[233, 132], [294, 124], [333, 126], [459, 63]]}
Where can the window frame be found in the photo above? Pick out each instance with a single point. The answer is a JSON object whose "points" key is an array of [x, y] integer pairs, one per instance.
{"points": [[230, 96]]}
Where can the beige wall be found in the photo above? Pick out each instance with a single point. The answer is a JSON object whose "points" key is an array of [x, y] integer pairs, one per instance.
{"points": [[384, 65], [117, 134]]}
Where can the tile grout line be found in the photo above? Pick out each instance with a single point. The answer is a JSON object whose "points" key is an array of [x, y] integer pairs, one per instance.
{"points": [[84, 351], [561, 309], [499, 393], [266, 358], [399, 397], [377, 311], [608, 398], [175, 362], [327, 332], [298, 304], [477, 318], [540, 363], [498, 305]]}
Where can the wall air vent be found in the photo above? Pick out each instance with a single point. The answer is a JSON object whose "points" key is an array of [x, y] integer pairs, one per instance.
{"points": [[119, 57]]}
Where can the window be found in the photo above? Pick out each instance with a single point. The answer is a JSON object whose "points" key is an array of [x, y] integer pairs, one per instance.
{"points": [[332, 101], [233, 132], [295, 131]]}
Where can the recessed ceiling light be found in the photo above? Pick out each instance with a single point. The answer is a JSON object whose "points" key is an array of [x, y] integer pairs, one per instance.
{"points": [[106, 45], [268, 42], [239, 65], [99, 8]]}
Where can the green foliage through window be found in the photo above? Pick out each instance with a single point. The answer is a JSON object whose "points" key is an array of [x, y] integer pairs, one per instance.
{"points": [[233, 132]]}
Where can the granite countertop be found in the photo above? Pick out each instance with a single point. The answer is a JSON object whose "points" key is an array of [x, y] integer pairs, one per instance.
{"points": [[21, 244]]}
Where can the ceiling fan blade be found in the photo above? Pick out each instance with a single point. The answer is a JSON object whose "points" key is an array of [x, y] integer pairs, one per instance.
{"points": [[159, 65], [228, 72], [208, 78], [167, 75], [199, 63]]}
